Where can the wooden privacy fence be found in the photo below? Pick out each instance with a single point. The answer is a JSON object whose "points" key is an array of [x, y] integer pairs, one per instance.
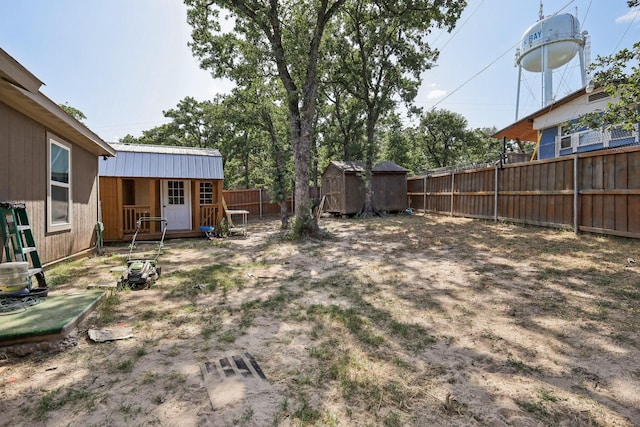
{"points": [[258, 203], [596, 192]]}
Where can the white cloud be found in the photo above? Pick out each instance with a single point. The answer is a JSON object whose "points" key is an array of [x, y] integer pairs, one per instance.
{"points": [[629, 16], [436, 94]]}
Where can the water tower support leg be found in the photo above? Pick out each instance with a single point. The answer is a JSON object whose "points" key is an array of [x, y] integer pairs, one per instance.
{"points": [[583, 70], [547, 78], [518, 91]]}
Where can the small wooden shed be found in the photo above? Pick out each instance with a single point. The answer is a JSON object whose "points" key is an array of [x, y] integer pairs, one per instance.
{"points": [[344, 191], [182, 184]]}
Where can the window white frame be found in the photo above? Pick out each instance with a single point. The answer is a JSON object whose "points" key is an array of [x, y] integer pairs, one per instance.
{"points": [[616, 133], [206, 193], [59, 155], [586, 137]]}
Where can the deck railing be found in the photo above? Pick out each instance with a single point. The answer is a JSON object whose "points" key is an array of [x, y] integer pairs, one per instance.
{"points": [[131, 214], [208, 215]]}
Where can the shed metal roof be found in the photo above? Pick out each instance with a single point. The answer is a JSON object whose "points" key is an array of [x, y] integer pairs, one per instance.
{"points": [[152, 161], [359, 167], [389, 167]]}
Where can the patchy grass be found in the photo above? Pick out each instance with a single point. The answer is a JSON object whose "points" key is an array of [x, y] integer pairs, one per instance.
{"points": [[402, 320], [209, 278], [56, 399], [66, 273], [108, 309]]}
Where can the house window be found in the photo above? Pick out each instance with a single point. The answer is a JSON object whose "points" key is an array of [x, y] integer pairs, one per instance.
{"points": [[565, 138], [618, 132], [206, 193], [590, 137], [582, 138], [613, 136], [59, 199]]}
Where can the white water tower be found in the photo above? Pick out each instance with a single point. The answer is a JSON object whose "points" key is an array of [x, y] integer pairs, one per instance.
{"points": [[549, 44]]}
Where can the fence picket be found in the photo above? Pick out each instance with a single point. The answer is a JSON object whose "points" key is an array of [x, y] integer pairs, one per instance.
{"points": [[594, 192]]}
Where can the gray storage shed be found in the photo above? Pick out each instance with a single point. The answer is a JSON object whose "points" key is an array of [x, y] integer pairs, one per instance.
{"points": [[344, 191]]}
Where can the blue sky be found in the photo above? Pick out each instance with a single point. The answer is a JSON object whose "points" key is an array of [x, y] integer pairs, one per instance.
{"points": [[122, 62], [476, 74]]}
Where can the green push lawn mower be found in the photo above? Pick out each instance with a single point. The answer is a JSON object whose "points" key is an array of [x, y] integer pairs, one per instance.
{"points": [[143, 271]]}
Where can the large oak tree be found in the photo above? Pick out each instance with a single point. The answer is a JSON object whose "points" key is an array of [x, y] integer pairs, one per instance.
{"points": [[288, 34], [388, 39]]}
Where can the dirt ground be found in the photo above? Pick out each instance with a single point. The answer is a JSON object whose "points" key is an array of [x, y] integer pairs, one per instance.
{"points": [[395, 321]]}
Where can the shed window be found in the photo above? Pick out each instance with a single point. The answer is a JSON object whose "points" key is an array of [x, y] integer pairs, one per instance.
{"points": [[59, 199], [176, 192], [206, 193]]}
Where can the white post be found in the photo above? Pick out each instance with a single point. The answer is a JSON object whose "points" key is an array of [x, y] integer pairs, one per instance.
{"points": [[547, 78], [518, 91]]}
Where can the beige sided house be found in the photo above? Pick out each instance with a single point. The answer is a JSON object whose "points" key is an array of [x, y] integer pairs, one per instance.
{"points": [[49, 162]]}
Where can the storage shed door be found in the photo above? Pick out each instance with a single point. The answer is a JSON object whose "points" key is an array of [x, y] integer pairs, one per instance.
{"points": [[332, 191], [176, 204]]}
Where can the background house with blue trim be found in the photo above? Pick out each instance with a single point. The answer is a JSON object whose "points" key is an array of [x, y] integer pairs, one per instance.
{"points": [[552, 126]]}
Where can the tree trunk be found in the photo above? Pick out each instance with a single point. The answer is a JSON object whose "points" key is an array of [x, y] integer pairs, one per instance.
{"points": [[284, 215], [281, 188], [245, 159], [301, 105], [302, 156], [369, 207]]}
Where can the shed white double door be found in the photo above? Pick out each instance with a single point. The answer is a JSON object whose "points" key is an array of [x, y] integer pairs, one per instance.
{"points": [[176, 204]]}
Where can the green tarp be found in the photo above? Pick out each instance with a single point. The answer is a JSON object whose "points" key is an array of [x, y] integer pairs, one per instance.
{"points": [[53, 315]]}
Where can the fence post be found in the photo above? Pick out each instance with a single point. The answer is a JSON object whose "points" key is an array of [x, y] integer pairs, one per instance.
{"points": [[260, 198], [453, 175], [576, 192], [495, 198], [424, 196]]}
